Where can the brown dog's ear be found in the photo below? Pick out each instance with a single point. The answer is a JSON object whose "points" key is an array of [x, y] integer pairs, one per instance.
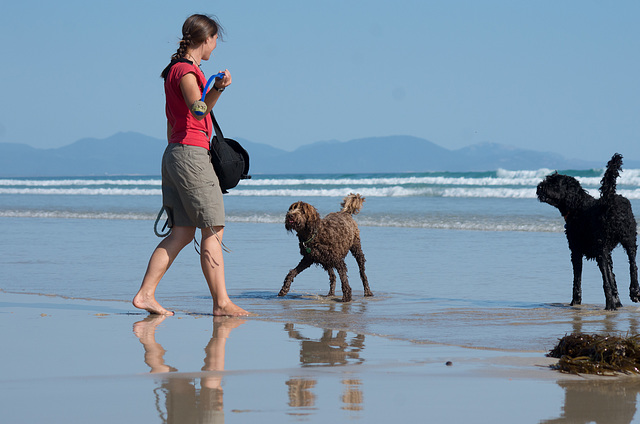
{"points": [[310, 213], [293, 206]]}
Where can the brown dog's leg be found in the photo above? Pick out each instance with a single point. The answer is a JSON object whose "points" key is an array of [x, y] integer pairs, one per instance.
{"points": [[356, 251], [332, 282], [346, 288], [304, 264]]}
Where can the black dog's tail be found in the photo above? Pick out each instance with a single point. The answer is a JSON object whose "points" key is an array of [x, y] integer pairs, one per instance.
{"points": [[352, 203], [608, 182]]}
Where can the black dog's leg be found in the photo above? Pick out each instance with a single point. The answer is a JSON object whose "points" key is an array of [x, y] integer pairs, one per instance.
{"points": [[356, 251], [608, 281], [346, 288], [634, 290], [332, 282], [614, 284], [576, 261], [304, 264]]}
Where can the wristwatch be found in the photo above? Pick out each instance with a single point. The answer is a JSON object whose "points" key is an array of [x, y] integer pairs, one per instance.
{"points": [[220, 90]]}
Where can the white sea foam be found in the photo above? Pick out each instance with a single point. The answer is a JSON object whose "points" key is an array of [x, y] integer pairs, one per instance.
{"points": [[424, 180], [500, 193], [397, 191], [392, 191], [538, 174], [77, 182], [470, 223], [74, 215], [518, 184], [83, 191]]}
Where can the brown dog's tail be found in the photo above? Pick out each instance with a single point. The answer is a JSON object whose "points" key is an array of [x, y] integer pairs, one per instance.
{"points": [[608, 187], [352, 203]]}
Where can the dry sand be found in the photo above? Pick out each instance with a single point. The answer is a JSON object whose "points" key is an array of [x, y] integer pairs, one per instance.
{"points": [[73, 360]]}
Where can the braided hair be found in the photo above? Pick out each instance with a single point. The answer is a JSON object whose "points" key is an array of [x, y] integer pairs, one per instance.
{"points": [[195, 31]]}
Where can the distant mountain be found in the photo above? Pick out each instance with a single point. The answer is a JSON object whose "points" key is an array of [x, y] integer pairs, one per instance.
{"points": [[490, 156], [130, 153], [126, 153]]}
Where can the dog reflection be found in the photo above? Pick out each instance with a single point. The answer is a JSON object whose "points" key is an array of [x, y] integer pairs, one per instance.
{"points": [[330, 349], [184, 402], [604, 324], [300, 393], [610, 401], [352, 398]]}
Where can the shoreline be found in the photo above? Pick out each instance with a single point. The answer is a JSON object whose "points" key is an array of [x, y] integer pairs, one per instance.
{"points": [[73, 357], [104, 304]]}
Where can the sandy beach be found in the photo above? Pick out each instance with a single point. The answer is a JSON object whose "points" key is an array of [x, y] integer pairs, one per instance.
{"points": [[73, 360]]}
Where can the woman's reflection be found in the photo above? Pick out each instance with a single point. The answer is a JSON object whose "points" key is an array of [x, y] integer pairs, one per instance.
{"points": [[184, 403]]}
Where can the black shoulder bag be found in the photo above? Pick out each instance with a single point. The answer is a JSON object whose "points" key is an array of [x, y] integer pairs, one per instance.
{"points": [[230, 160]]}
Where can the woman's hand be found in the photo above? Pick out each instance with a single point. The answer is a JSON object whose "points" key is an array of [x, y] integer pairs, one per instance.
{"points": [[224, 82]]}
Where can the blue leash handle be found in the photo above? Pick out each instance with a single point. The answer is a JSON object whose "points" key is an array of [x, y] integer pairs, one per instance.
{"points": [[213, 77]]}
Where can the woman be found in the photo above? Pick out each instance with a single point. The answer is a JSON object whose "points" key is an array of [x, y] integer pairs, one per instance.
{"points": [[191, 194]]}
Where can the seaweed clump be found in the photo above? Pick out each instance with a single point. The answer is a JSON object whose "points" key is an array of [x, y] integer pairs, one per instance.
{"points": [[581, 353]]}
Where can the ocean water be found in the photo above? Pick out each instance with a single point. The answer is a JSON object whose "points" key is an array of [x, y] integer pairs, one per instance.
{"points": [[466, 259]]}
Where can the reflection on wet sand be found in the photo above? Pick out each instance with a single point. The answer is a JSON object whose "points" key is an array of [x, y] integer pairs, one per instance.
{"points": [[352, 397], [332, 348], [600, 401], [300, 394], [183, 401], [610, 323]]}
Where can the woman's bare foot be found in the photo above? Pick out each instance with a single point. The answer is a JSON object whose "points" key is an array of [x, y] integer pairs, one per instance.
{"points": [[229, 309], [150, 305]]}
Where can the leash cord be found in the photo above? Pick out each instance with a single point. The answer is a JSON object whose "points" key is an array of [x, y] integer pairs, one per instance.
{"points": [[164, 227], [196, 245]]}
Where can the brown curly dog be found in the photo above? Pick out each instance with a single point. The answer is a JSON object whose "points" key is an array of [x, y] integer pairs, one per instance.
{"points": [[326, 242]]}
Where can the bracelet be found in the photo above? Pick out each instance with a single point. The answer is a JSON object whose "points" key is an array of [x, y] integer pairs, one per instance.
{"points": [[219, 90]]}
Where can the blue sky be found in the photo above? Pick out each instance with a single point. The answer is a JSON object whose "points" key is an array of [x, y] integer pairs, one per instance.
{"points": [[560, 76]]}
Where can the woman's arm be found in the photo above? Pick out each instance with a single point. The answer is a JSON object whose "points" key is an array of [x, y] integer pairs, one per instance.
{"points": [[191, 92]]}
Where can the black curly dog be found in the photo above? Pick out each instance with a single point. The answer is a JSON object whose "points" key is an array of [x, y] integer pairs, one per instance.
{"points": [[594, 227]]}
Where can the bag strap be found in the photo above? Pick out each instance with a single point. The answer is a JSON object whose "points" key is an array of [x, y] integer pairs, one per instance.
{"points": [[218, 136], [166, 70]]}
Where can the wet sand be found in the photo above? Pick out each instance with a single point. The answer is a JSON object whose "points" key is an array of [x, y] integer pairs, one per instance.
{"points": [[73, 360]]}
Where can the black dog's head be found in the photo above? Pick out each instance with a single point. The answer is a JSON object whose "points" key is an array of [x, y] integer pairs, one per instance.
{"points": [[301, 216], [563, 192]]}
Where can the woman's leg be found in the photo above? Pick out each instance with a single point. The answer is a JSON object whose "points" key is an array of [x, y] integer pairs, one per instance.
{"points": [[212, 263], [160, 261]]}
